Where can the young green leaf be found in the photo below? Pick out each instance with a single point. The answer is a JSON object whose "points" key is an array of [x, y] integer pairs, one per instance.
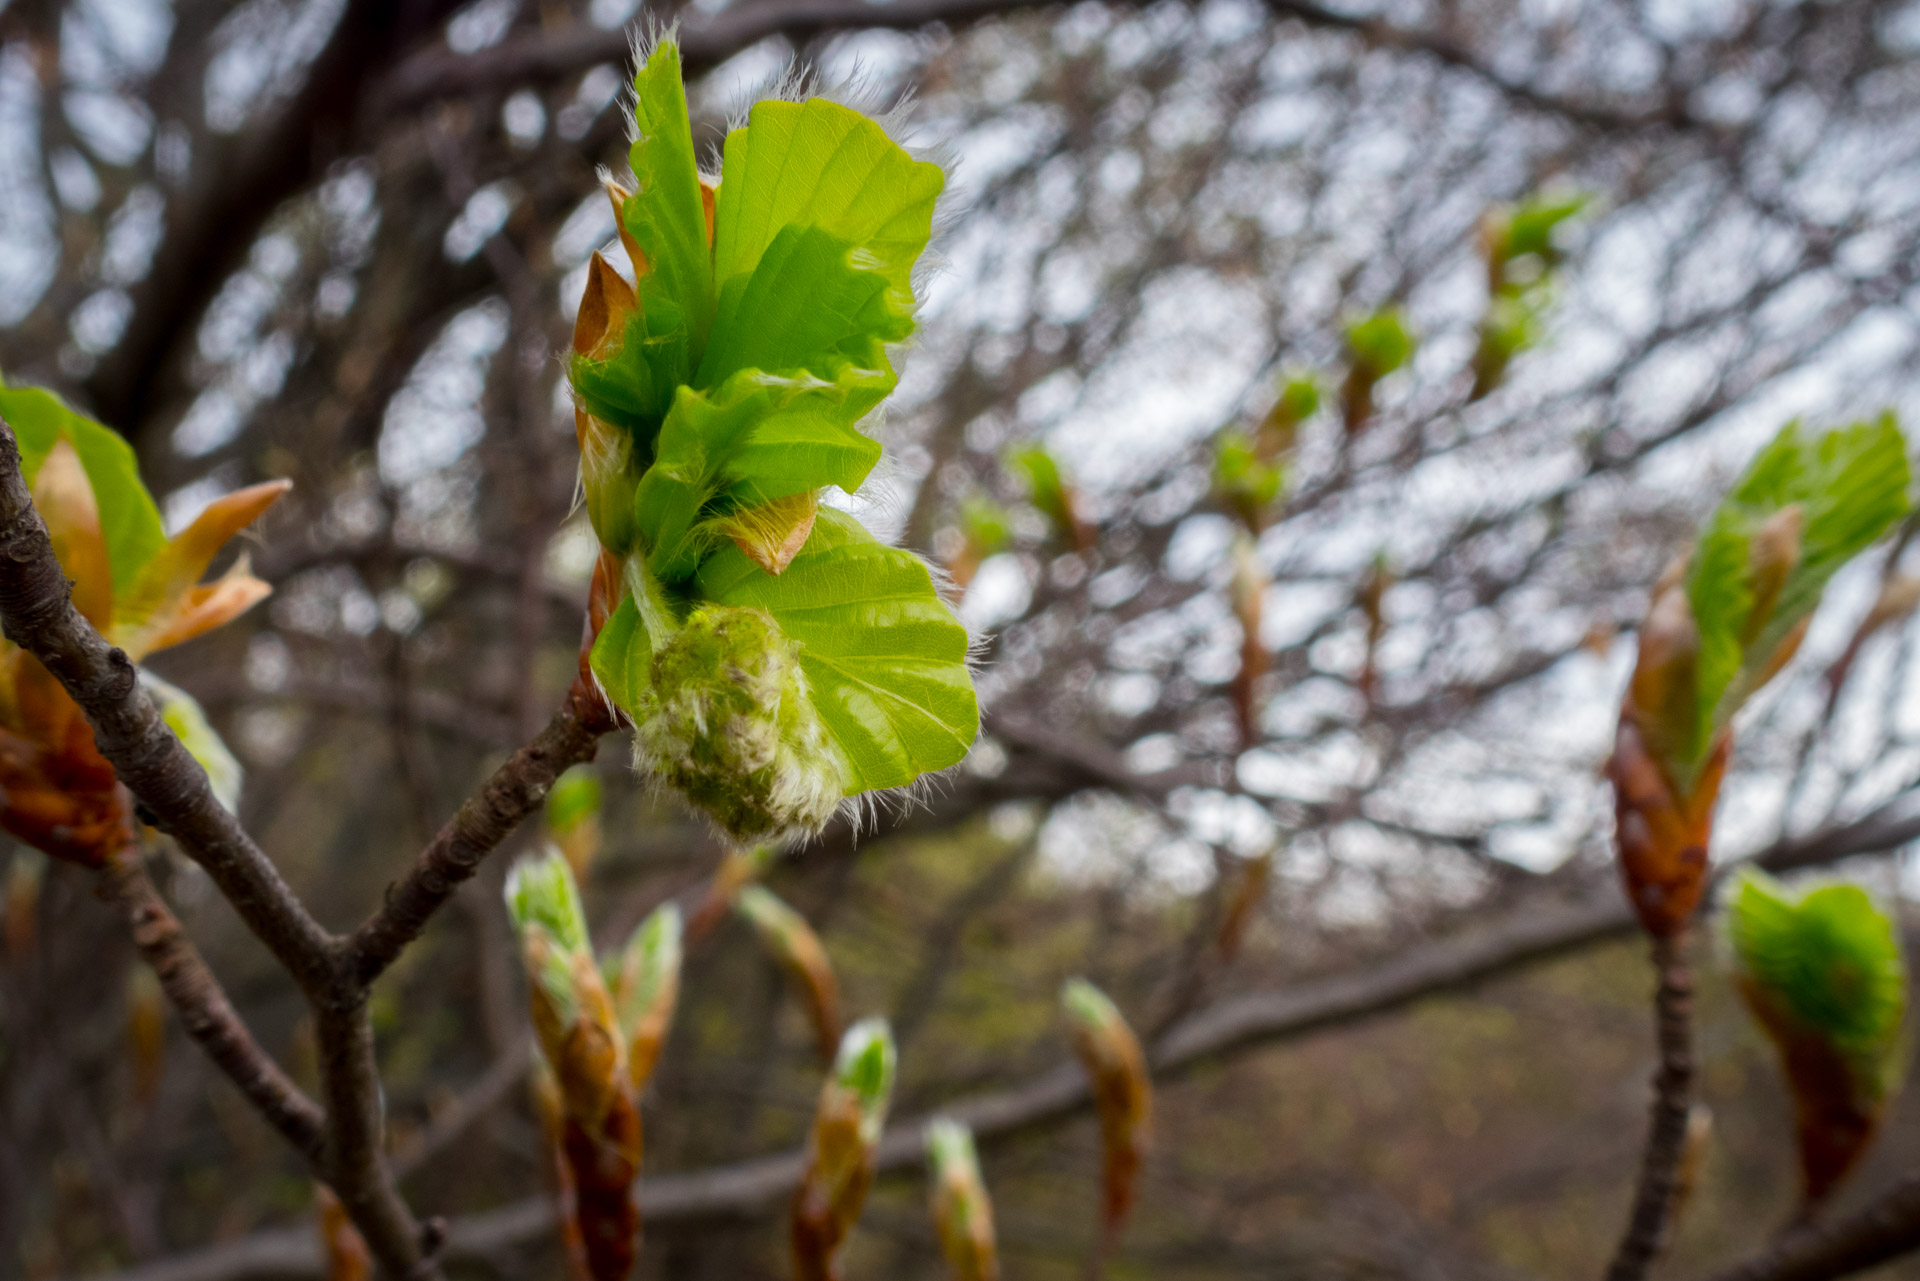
{"points": [[1806, 505], [128, 517], [885, 660], [1823, 974], [188, 721]]}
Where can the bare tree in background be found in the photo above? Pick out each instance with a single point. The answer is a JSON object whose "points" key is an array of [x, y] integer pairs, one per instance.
{"points": [[342, 242]]}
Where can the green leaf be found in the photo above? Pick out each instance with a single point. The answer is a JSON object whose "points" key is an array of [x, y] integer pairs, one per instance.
{"points": [[813, 304], [756, 438], [1829, 960], [666, 217], [128, 518], [622, 655], [1530, 227], [823, 165], [1850, 486], [885, 660]]}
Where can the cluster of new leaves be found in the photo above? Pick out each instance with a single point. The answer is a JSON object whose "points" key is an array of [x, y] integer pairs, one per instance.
{"points": [[600, 1031], [1519, 242], [1823, 974], [774, 657], [1720, 625], [139, 589]]}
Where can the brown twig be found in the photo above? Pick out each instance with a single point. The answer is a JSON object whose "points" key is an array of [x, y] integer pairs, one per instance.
{"points": [[1529, 934], [1884, 1228], [38, 616], [515, 791], [1673, 1100], [205, 1012]]}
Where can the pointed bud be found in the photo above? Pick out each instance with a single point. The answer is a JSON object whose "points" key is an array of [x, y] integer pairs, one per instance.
{"points": [[962, 1212], [646, 988], [793, 945], [847, 1122], [572, 1011], [1122, 1094], [607, 306]]}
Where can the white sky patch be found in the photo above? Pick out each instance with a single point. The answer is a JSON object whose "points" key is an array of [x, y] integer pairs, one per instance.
{"points": [[435, 418]]}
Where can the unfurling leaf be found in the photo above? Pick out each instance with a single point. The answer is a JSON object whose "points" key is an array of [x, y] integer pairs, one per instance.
{"points": [[141, 590], [573, 816], [582, 1041], [962, 1211], [716, 398], [1519, 240], [793, 945], [847, 1121], [1377, 345], [345, 1251], [1122, 1094], [1720, 625], [646, 987], [1823, 974]]}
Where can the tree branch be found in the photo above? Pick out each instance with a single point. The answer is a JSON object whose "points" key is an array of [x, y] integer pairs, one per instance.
{"points": [[38, 615], [516, 789], [439, 72], [1672, 1101], [1538, 930], [205, 1012], [1883, 1229]]}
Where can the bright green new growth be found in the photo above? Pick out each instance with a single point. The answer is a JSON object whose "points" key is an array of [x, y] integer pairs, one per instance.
{"points": [[1241, 476], [1380, 343], [188, 721], [1527, 229], [950, 1147], [734, 391], [542, 898], [649, 964], [1299, 398], [1829, 960], [1849, 487], [865, 1066], [574, 798], [1087, 1005]]}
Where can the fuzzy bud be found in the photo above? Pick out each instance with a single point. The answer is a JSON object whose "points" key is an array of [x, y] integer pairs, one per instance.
{"points": [[727, 721]]}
